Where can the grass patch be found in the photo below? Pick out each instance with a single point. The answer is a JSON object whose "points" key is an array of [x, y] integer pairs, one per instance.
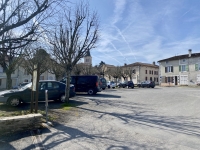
{"points": [[68, 106]]}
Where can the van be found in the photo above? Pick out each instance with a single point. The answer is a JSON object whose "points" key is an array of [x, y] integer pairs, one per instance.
{"points": [[103, 83], [85, 83]]}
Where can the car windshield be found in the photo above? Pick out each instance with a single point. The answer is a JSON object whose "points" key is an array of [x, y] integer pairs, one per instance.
{"points": [[29, 85]]}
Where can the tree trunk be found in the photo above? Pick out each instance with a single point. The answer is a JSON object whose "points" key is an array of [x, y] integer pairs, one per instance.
{"points": [[37, 89], [9, 80], [67, 89]]}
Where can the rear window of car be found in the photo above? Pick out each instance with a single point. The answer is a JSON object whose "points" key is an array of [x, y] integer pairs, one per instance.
{"points": [[103, 80]]}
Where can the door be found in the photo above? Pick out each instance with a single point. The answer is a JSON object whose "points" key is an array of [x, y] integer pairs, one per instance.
{"points": [[81, 85], [176, 80], [183, 79], [53, 90], [198, 79], [42, 88]]}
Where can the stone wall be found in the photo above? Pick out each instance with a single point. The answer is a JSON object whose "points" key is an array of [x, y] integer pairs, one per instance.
{"points": [[18, 123]]}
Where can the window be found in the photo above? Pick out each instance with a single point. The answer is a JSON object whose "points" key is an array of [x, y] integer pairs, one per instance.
{"points": [[1, 69], [150, 78], [169, 69], [52, 85], [134, 71], [146, 71], [166, 62], [183, 60], [183, 68], [146, 78], [25, 80], [25, 72], [149, 71], [41, 77], [157, 79], [197, 67], [154, 79]]}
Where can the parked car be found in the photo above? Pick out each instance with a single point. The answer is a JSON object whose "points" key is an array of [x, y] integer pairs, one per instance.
{"points": [[111, 84], [20, 85], [85, 83], [147, 84], [126, 84], [103, 83], [56, 90]]}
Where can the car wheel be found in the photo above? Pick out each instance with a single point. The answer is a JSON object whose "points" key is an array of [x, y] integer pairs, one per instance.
{"points": [[62, 98], [132, 87], [113, 87], [108, 86], [90, 91], [14, 101], [103, 88]]}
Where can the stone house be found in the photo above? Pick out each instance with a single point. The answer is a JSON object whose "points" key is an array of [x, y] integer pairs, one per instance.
{"points": [[143, 71], [180, 70]]}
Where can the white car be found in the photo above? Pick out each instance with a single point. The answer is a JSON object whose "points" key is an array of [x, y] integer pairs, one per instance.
{"points": [[111, 84]]}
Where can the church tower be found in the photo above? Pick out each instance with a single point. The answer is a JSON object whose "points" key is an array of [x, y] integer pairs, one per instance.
{"points": [[88, 59]]}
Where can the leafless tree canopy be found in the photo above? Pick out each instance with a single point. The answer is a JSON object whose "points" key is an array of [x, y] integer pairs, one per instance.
{"points": [[36, 56], [22, 15], [76, 35]]}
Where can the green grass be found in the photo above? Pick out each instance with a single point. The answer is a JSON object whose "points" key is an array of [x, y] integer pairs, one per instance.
{"points": [[68, 106]]}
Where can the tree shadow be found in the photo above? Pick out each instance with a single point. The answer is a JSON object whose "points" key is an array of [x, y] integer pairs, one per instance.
{"points": [[100, 95], [5, 140]]}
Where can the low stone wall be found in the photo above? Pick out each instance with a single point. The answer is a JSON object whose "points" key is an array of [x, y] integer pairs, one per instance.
{"points": [[18, 123]]}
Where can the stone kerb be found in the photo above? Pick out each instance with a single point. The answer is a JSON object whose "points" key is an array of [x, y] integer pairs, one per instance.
{"points": [[19, 123]]}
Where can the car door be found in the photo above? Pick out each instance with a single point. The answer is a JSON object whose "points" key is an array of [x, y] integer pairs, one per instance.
{"points": [[81, 84], [42, 88], [53, 90]]}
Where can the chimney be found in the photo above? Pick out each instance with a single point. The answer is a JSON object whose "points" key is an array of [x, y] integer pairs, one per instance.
{"points": [[154, 63], [189, 52]]}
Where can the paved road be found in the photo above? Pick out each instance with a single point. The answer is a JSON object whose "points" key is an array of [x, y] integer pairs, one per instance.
{"points": [[123, 119]]}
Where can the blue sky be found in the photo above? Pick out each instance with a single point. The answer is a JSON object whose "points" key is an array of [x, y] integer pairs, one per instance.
{"points": [[145, 30]]}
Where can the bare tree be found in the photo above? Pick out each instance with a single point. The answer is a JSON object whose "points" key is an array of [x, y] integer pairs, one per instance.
{"points": [[75, 36], [116, 72], [39, 58], [20, 21], [22, 17], [77, 69], [101, 68], [56, 69], [88, 70], [128, 71]]}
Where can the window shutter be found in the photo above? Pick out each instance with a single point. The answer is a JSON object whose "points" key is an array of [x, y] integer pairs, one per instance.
{"points": [[196, 67], [179, 68], [165, 69], [186, 67], [172, 69]]}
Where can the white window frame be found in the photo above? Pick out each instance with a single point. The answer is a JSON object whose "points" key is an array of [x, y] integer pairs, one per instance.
{"points": [[169, 69]]}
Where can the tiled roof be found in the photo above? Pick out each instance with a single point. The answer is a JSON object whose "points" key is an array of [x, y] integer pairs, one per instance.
{"points": [[181, 57], [141, 64]]}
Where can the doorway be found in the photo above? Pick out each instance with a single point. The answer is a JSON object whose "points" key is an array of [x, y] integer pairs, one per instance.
{"points": [[176, 80]]}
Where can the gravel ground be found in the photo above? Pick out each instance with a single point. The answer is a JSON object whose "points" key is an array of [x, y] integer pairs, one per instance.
{"points": [[123, 119]]}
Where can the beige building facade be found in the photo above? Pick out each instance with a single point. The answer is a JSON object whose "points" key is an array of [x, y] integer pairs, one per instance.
{"points": [[20, 75], [180, 70], [143, 72]]}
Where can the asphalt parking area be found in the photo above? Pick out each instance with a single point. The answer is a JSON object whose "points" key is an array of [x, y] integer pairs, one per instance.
{"points": [[139, 118]]}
